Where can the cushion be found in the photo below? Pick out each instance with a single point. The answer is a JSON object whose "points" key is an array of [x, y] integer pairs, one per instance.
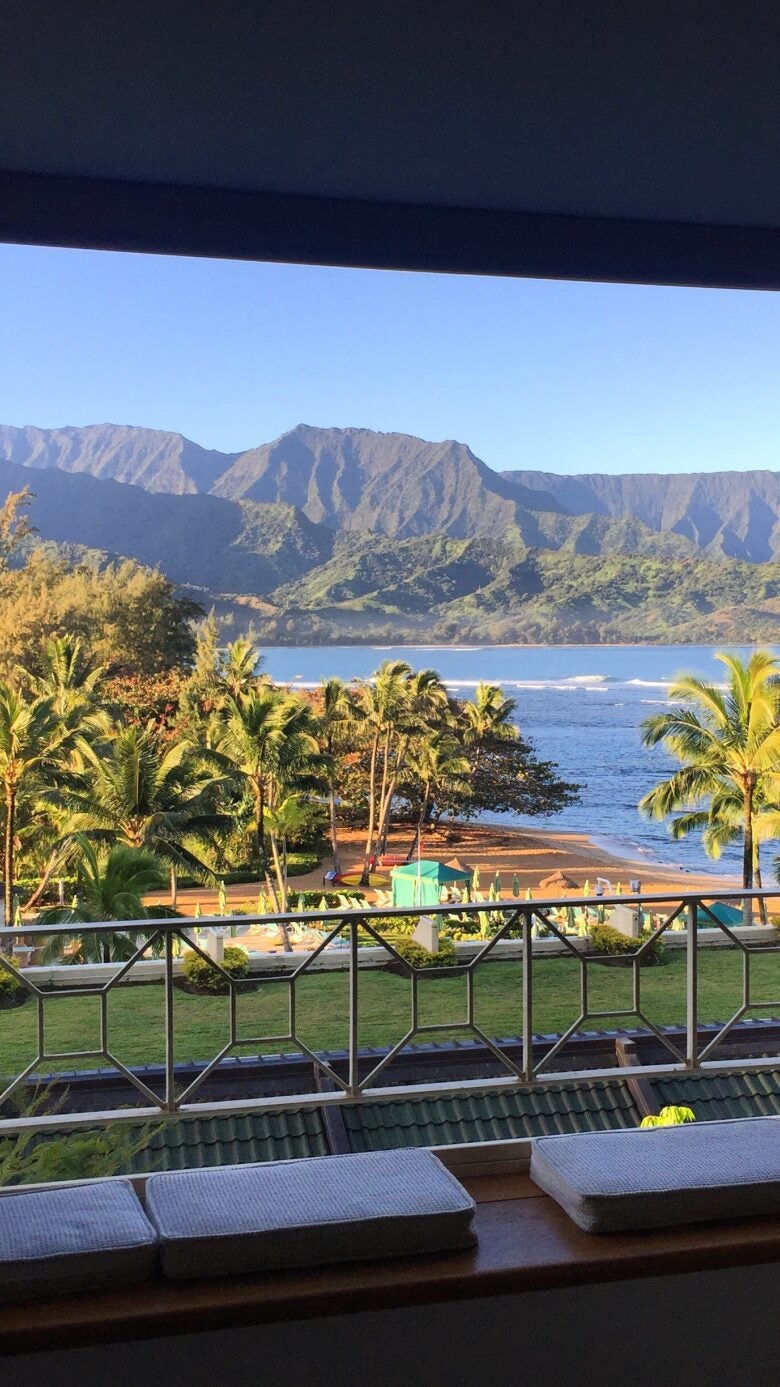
{"points": [[86, 1237], [658, 1177], [237, 1220]]}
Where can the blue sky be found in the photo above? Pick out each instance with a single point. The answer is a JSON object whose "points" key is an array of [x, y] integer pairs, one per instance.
{"points": [[563, 377]]}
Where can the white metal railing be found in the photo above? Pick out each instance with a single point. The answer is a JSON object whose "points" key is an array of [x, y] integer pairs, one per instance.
{"points": [[353, 926]]}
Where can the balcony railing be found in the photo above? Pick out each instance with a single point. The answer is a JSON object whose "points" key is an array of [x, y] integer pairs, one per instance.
{"points": [[361, 1079]]}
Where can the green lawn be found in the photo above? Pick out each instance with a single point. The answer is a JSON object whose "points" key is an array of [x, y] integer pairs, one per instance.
{"points": [[136, 1020]]}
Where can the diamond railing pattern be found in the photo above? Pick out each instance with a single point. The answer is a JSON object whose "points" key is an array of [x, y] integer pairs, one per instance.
{"points": [[522, 920]]}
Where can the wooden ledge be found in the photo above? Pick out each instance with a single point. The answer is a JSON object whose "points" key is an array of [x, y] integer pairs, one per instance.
{"points": [[526, 1243]]}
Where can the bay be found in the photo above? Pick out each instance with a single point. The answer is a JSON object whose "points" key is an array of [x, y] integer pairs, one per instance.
{"points": [[581, 706]]}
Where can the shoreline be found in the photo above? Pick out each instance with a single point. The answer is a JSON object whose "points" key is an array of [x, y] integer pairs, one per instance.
{"points": [[508, 851]]}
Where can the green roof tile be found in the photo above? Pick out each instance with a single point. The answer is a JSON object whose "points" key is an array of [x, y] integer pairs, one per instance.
{"points": [[586, 1107], [205, 1141], [717, 1097]]}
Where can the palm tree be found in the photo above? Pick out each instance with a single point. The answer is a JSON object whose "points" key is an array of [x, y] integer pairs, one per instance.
{"points": [[720, 824], [238, 667], [381, 709], [68, 676], [142, 791], [335, 713], [728, 745], [488, 717], [438, 765], [288, 818], [111, 887], [425, 711], [268, 737], [34, 743]]}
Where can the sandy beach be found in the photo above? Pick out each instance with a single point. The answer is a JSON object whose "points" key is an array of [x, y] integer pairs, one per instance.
{"points": [[530, 856]]}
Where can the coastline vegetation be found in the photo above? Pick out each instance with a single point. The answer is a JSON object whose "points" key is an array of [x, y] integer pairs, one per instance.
{"points": [[132, 746], [726, 739]]}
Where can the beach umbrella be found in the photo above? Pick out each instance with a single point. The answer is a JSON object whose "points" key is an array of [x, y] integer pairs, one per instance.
{"points": [[497, 884], [260, 907], [529, 895], [196, 911], [515, 885], [222, 900], [558, 881], [618, 890], [324, 903], [475, 882], [571, 922], [586, 889], [17, 913], [74, 905], [492, 891]]}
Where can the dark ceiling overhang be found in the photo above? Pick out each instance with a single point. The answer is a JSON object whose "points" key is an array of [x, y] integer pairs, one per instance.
{"points": [[593, 139], [111, 214]]}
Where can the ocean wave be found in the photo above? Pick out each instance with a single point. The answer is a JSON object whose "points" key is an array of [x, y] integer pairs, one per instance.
{"points": [[650, 683]]}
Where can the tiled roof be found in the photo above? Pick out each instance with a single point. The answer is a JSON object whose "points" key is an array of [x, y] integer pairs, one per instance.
{"points": [[204, 1141], [586, 1107], [721, 1096]]}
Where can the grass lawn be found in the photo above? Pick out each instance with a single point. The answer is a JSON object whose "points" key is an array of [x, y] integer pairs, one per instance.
{"points": [[136, 1021]]}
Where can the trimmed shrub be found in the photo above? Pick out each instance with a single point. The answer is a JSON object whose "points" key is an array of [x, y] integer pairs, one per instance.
{"points": [[610, 943], [12, 993], [419, 957], [202, 976]]}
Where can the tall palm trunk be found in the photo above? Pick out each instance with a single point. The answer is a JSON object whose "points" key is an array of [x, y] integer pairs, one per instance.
{"points": [[8, 852], [281, 879], [334, 835], [748, 851], [48, 872], [387, 800], [174, 888], [371, 812], [417, 839], [762, 910]]}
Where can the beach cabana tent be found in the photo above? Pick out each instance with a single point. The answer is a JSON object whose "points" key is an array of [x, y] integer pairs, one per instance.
{"points": [[420, 883], [727, 914]]}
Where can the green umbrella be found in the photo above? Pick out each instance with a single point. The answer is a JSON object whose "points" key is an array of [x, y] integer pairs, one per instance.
{"points": [[571, 923], [222, 900], [497, 884], [515, 885]]}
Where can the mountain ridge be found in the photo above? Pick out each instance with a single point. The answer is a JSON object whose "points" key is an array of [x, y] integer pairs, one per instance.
{"points": [[327, 533]]}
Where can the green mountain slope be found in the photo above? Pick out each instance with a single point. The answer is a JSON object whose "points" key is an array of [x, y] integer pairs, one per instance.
{"points": [[736, 514]]}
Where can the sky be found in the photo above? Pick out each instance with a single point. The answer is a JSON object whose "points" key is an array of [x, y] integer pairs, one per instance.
{"points": [[565, 377]]}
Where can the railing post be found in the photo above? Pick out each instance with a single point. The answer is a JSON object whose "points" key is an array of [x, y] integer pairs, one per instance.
{"points": [[692, 1010], [354, 1074], [170, 1067], [528, 1042]]}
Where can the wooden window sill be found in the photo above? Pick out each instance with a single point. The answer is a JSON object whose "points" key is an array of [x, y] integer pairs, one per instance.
{"points": [[526, 1243]]}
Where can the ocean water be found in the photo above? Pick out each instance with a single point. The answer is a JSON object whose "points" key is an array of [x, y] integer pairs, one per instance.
{"points": [[581, 706]]}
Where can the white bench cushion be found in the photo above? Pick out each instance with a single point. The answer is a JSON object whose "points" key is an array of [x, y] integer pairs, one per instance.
{"points": [[663, 1176], [238, 1220], [82, 1238]]}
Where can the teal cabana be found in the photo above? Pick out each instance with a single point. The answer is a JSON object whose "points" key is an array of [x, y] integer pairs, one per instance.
{"points": [[420, 883]]}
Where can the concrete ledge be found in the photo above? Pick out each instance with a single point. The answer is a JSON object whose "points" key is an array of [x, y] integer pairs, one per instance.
{"points": [[63, 975]]}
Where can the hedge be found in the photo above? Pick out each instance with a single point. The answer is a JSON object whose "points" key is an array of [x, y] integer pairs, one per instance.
{"points": [[202, 976]]}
